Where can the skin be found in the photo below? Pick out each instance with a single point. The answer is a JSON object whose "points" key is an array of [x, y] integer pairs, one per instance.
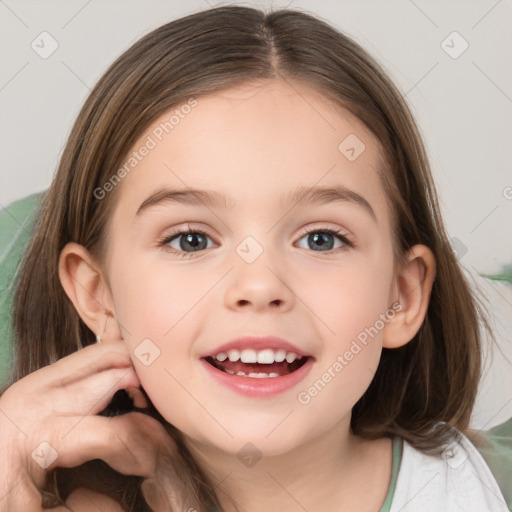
{"points": [[255, 143]]}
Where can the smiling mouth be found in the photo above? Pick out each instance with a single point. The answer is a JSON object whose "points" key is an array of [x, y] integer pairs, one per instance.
{"points": [[257, 370]]}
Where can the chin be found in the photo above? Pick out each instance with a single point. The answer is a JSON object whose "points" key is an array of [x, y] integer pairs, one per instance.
{"points": [[248, 444]]}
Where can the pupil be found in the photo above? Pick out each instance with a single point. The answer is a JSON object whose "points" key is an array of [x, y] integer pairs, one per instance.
{"points": [[191, 240], [321, 240]]}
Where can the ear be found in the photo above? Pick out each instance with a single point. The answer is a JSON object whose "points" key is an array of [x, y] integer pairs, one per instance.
{"points": [[86, 287], [413, 285]]}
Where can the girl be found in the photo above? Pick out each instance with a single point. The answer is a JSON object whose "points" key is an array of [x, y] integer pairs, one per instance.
{"points": [[240, 295]]}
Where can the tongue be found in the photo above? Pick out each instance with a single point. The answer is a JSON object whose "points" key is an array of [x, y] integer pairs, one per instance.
{"points": [[282, 368]]}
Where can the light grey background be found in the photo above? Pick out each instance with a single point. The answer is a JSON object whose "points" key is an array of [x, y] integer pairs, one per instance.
{"points": [[463, 106]]}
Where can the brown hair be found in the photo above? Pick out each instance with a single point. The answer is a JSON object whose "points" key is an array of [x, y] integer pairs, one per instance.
{"points": [[420, 389]]}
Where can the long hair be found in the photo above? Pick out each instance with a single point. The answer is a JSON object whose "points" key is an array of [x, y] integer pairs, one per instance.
{"points": [[430, 382]]}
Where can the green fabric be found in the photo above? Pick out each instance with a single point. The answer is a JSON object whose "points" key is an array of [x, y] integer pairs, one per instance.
{"points": [[495, 446], [395, 468], [16, 223]]}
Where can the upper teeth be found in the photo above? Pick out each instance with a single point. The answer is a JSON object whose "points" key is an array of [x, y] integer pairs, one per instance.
{"points": [[266, 356]]}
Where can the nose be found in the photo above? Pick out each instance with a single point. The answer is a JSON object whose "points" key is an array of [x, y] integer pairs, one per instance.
{"points": [[258, 286]]}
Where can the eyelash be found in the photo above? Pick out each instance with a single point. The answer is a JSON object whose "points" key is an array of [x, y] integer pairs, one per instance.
{"points": [[169, 238]]}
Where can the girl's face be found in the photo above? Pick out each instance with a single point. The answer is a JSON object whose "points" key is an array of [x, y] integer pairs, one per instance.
{"points": [[249, 267]]}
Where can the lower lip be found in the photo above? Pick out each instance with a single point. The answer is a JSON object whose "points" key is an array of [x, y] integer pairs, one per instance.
{"points": [[255, 387]]}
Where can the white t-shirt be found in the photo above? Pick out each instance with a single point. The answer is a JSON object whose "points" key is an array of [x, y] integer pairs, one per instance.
{"points": [[457, 480]]}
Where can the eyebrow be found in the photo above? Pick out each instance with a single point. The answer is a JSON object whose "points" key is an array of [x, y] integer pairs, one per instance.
{"points": [[299, 196]]}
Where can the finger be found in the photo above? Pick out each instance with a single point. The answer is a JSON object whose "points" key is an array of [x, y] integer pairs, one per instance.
{"points": [[130, 444], [86, 361], [52, 416], [92, 395], [88, 396], [91, 359], [24, 495], [75, 369]]}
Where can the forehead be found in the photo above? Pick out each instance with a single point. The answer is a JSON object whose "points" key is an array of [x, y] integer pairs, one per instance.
{"points": [[254, 143]]}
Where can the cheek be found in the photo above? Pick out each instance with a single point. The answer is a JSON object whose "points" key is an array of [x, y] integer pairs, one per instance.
{"points": [[348, 303], [160, 313], [153, 300], [347, 308], [346, 299]]}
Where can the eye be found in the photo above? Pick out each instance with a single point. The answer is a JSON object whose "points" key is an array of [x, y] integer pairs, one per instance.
{"points": [[324, 238], [186, 242]]}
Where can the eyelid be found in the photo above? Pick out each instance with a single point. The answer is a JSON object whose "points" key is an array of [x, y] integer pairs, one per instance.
{"points": [[325, 227], [180, 231], [184, 230]]}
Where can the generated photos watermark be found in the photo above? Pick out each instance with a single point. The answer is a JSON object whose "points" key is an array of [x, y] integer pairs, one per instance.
{"points": [[305, 397], [151, 142]]}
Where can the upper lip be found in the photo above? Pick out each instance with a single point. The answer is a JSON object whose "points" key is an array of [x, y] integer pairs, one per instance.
{"points": [[257, 343]]}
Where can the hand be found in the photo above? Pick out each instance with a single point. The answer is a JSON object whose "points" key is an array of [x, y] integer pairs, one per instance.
{"points": [[50, 419]]}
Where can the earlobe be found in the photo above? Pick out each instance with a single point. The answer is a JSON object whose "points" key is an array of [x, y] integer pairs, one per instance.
{"points": [[85, 286], [413, 286]]}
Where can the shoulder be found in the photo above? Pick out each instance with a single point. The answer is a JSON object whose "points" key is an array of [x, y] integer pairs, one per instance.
{"points": [[453, 477], [85, 500], [495, 447]]}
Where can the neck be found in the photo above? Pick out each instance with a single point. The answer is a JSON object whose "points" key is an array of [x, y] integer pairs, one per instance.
{"points": [[332, 472]]}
